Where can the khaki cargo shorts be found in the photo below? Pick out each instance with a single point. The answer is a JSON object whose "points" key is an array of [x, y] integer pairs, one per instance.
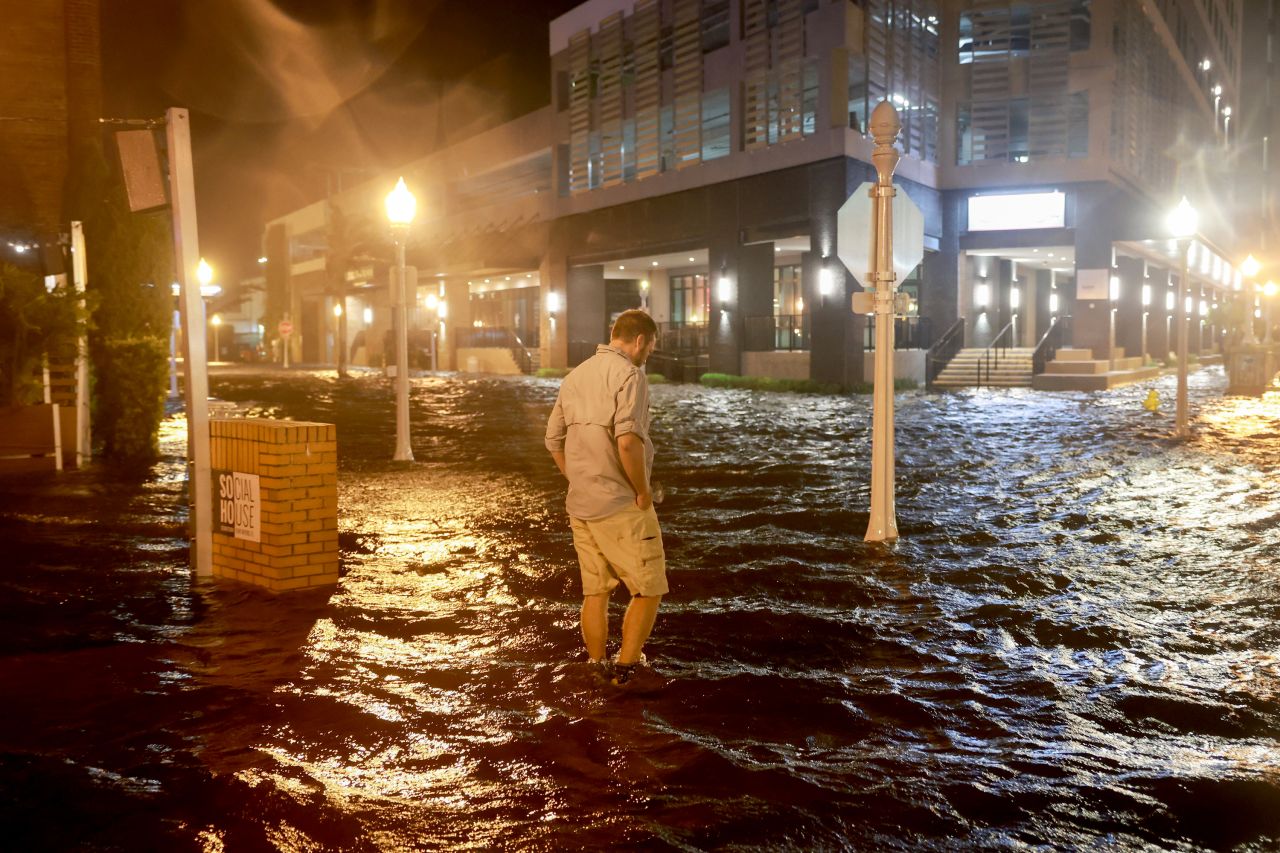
{"points": [[627, 547]]}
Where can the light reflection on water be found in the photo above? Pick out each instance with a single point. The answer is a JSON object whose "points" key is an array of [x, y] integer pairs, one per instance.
{"points": [[1072, 645]]}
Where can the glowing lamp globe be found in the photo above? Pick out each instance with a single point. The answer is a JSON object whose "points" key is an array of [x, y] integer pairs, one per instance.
{"points": [[401, 205], [1183, 221]]}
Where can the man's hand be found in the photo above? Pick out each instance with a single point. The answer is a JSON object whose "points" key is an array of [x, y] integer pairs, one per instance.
{"points": [[644, 499], [558, 456]]}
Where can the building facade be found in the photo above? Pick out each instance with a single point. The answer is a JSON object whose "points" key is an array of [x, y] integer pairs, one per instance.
{"points": [[695, 154]]}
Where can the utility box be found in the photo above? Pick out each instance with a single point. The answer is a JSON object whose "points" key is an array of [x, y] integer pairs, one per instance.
{"points": [[1251, 368], [275, 502]]}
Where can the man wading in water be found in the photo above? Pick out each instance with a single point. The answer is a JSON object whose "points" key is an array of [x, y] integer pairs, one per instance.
{"points": [[598, 434]]}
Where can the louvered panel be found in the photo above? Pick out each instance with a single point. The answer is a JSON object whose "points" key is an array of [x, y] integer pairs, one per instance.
{"points": [[989, 81], [1049, 50], [609, 92], [755, 88], [687, 82], [645, 28], [788, 70], [989, 123], [878, 50], [991, 34], [1047, 126], [579, 110]]}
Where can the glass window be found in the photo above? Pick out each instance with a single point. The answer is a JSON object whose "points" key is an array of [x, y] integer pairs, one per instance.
{"points": [[715, 124], [1078, 125], [715, 24], [690, 299], [788, 297], [1081, 24]]}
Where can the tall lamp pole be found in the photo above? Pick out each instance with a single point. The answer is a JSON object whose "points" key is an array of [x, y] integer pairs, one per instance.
{"points": [[1183, 222], [883, 522], [401, 207]]}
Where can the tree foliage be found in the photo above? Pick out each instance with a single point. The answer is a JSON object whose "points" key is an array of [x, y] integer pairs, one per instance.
{"points": [[130, 264], [33, 321]]}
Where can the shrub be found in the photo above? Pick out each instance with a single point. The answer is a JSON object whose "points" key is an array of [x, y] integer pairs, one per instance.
{"points": [[657, 379], [552, 372], [32, 322], [129, 409], [768, 383]]}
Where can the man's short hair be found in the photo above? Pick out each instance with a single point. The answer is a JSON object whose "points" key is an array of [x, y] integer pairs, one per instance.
{"points": [[632, 323]]}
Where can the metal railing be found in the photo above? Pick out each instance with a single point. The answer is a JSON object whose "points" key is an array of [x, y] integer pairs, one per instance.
{"points": [[1055, 336], [990, 359], [908, 333], [683, 338], [941, 353], [498, 338], [775, 332]]}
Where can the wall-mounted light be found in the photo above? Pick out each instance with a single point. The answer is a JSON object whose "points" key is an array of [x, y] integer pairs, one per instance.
{"points": [[1169, 301], [432, 302], [644, 284], [1189, 305], [442, 310], [553, 302], [1146, 295], [337, 309], [981, 295], [1204, 308], [1115, 288], [723, 289], [1053, 303], [826, 281], [1015, 298], [368, 316]]}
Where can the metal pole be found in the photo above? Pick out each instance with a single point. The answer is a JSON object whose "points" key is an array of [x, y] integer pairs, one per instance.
{"points": [[404, 452], [79, 270], [1180, 420], [186, 245], [173, 353], [883, 523]]}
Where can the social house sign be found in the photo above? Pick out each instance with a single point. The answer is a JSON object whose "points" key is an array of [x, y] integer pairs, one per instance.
{"points": [[237, 498]]}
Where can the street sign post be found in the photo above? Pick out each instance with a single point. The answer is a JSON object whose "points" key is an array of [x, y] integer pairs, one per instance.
{"points": [[285, 328], [880, 239]]}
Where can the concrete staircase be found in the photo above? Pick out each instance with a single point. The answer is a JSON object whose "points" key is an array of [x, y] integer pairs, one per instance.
{"points": [[966, 370], [1077, 370]]}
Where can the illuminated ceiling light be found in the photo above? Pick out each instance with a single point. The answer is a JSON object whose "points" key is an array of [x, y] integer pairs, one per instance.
{"points": [[691, 260], [262, 260], [621, 267], [653, 263]]}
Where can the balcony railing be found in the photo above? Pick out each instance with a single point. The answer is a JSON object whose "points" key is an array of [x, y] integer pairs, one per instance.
{"points": [[683, 338], [908, 333], [776, 332]]}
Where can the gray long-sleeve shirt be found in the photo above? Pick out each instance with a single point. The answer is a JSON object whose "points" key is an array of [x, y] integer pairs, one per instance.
{"points": [[604, 397]]}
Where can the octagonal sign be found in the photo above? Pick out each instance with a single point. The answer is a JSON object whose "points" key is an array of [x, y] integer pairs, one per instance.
{"points": [[854, 237]]}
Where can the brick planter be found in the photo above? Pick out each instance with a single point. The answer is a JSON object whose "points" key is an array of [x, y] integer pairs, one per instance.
{"points": [[275, 502]]}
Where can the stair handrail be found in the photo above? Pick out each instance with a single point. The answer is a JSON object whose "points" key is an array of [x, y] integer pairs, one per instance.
{"points": [[1047, 348], [951, 342], [992, 350]]}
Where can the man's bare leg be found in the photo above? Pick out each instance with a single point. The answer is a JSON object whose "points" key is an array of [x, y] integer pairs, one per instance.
{"points": [[636, 625], [595, 624]]}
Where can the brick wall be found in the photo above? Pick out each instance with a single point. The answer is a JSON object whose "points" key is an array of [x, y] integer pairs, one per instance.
{"points": [[297, 466]]}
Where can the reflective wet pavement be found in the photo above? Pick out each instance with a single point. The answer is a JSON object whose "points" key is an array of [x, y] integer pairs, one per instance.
{"points": [[1073, 645]]}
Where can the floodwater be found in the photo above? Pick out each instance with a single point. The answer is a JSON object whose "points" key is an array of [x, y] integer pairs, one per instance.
{"points": [[1074, 644]]}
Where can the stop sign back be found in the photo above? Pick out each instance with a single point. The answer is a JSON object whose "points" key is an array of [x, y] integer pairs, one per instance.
{"points": [[285, 328], [854, 238]]}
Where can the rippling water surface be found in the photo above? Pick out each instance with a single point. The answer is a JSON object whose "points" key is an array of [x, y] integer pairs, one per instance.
{"points": [[1074, 644]]}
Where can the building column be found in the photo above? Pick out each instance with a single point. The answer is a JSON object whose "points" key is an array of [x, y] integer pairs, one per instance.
{"points": [[1093, 323], [553, 342], [1028, 307], [584, 312], [1158, 341], [457, 299], [1128, 305], [749, 273]]}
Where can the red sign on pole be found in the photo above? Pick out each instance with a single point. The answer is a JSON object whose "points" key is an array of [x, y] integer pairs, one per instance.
{"points": [[285, 328]]}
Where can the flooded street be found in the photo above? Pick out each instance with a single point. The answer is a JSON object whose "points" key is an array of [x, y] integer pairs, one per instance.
{"points": [[1075, 643]]}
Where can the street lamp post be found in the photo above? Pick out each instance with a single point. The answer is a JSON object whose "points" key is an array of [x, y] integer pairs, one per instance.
{"points": [[401, 207], [1183, 222]]}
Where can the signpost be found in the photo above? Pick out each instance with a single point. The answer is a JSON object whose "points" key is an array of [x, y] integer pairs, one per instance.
{"points": [[285, 328], [880, 236]]}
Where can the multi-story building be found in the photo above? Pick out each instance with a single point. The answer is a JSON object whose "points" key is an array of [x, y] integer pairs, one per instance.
{"points": [[695, 154], [50, 100]]}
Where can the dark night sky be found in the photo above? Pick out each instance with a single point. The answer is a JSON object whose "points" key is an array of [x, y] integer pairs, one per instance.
{"points": [[280, 91]]}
